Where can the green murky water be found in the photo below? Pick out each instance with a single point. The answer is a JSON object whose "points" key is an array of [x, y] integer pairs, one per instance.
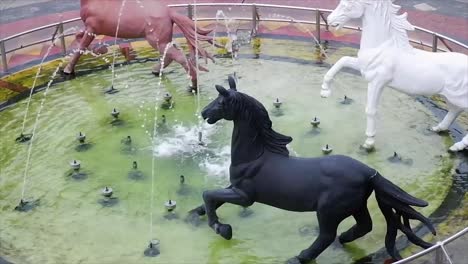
{"points": [[70, 226]]}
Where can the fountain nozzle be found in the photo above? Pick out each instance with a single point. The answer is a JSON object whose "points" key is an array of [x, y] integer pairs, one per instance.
{"points": [[182, 179], [277, 103], [153, 248], [170, 205], [327, 149], [315, 122], [163, 117], [81, 138], [115, 113], [200, 139], [127, 140], [167, 97], [135, 165], [75, 165], [23, 138], [107, 192]]}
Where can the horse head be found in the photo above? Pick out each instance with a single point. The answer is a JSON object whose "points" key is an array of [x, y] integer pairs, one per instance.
{"points": [[345, 11], [221, 107]]}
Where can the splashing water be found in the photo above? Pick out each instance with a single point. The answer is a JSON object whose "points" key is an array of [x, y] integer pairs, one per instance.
{"points": [[232, 37], [36, 124], [217, 166], [39, 69], [183, 141], [115, 41]]}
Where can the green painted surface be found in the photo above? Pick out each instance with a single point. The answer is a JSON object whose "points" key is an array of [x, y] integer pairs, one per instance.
{"points": [[71, 227]]}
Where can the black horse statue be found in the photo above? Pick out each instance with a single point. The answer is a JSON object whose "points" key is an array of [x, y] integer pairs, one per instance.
{"points": [[335, 186]]}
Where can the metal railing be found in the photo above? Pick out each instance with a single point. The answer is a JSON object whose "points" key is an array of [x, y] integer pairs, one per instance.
{"points": [[441, 254], [319, 21]]}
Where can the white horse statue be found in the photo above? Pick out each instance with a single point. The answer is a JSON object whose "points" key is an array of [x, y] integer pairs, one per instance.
{"points": [[387, 58]]}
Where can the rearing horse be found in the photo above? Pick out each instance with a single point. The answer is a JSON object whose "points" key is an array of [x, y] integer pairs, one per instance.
{"points": [[147, 19], [387, 58], [335, 186]]}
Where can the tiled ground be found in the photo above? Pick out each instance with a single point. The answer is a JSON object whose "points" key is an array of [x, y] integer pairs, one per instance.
{"points": [[20, 15]]}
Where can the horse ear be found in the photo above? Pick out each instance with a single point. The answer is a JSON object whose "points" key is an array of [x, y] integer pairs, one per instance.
{"points": [[232, 83], [221, 90]]}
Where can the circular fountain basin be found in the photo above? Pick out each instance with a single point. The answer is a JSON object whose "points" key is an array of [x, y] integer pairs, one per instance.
{"points": [[68, 207]]}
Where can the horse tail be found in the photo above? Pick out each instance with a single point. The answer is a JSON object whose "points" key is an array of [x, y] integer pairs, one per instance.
{"points": [[395, 205], [187, 26]]}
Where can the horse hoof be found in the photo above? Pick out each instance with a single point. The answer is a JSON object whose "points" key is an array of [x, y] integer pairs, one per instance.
{"points": [[155, 73], [459, 146], [224, 230], [437, 129], [68, 75], [324, 93]]}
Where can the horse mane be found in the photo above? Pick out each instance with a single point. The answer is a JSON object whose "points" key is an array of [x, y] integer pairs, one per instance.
{"points": [[399, 24], [248, 108]]}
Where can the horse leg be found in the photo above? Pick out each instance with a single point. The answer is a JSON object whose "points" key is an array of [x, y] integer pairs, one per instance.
{"points": [[350, 62], [161, 47], [363, 226], [452, 114], [85, 38], [374, 91], [201, 211], [328, 223], [215, 197], [177, 55], [461, 145]]}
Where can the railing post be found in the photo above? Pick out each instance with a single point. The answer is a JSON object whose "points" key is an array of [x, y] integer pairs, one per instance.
{"points": [[317, 25], [254, 20], [190, 11], [62, 38], [4, 56], [439, 256], [434, 42]]}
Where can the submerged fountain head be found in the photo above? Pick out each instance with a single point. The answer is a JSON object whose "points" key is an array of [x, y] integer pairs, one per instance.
{"points": [[75, 164], [23, 138], [111, 90], [127, 140], [107, 192], [277, 103], [163, 119], [170, 205], [327, 149], [27, 205], [347, 100], [81, 137], [182, 179], [115, 113], [153, 248], [135, 165], [167, 97], [315, 122]]}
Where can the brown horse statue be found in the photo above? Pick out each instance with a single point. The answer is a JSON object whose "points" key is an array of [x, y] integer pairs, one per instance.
{"points": [[147, 19]]}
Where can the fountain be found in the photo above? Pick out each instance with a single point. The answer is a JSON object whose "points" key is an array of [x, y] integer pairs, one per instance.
{"points": [[327, 149], [183, 168], [108, 199], [153, 248], [135, 174], [277, 103], [315, 122]]}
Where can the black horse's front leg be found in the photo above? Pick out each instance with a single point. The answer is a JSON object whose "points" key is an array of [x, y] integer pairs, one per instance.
{"points": [[215, 198]]}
